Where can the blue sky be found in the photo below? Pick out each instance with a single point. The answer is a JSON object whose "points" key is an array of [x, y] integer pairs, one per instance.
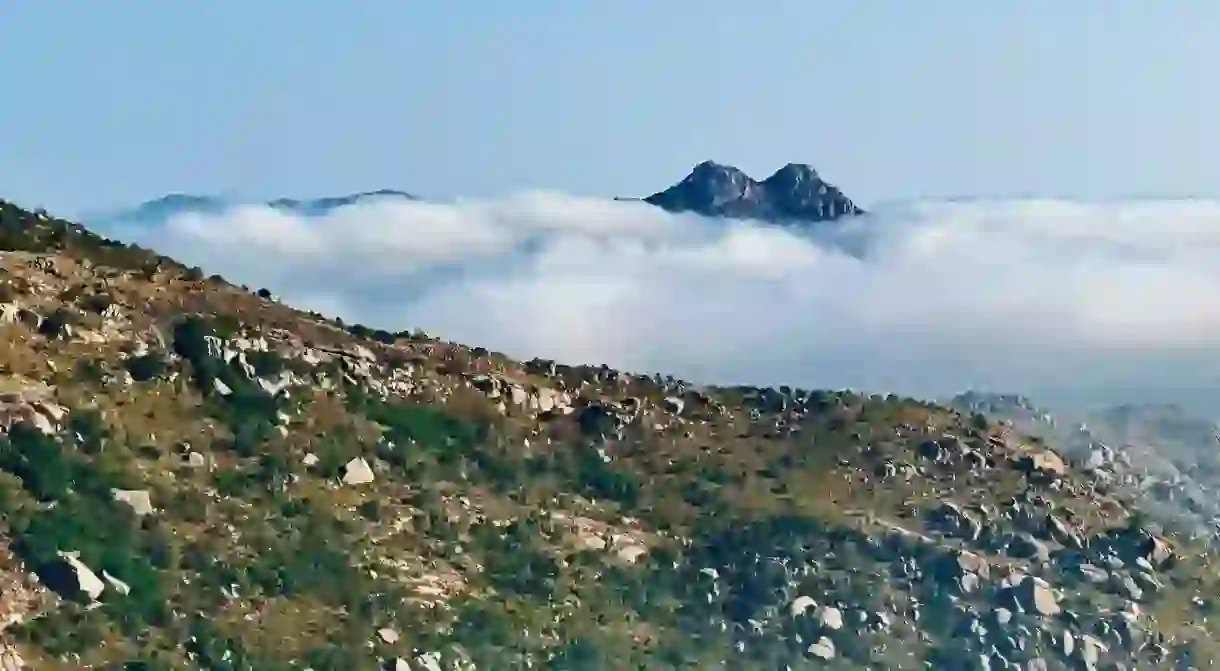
{"points": [[108, 103]]}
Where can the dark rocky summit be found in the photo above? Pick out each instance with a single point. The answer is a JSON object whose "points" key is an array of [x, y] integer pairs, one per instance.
{"points": [[794, 194]]}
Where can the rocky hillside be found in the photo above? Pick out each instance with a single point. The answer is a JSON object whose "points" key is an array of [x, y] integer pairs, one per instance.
{"points": [[1159, 455], [795, 194], [193, 476]]}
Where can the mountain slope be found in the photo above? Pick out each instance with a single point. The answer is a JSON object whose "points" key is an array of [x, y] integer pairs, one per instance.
{"points": [[794, 194], [1164, 458], [202, 478]]}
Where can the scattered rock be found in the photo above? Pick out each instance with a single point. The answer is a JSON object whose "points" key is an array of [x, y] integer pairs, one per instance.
{"points": [[823, 649], [1034, 595], [139, 500], [81, 579], [357, 472]]}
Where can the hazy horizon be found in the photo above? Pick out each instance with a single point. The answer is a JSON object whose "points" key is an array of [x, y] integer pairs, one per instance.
{"points": [[1070, 302], [132, 100]]}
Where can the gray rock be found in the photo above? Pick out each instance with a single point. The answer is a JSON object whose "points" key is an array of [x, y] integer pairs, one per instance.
{"points": [[1034, 595], [1089, 652], [1025, 546], [953, 520], [1125, 586], [968, 583], [1147, 582], [1002, 616], [1093, 574], [969, 562]]}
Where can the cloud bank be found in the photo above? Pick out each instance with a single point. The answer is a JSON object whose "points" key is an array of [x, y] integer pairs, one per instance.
{"points": [[1069, 301]]}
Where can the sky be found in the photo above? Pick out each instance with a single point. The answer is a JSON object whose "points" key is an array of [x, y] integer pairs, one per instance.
{"points": [[1070, 270], [111, 103]]}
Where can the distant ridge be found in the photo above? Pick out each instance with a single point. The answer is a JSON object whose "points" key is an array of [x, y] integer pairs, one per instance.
{"points": [[178, 203], [794, 194], [322, 205]]}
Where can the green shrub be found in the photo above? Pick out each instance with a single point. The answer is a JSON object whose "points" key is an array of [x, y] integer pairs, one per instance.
{"points": [[96, 303], [265, 364], [146, 366]]}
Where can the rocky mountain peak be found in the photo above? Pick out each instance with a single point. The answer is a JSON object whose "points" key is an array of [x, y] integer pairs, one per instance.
{"points": [[795, 194], [715, 184], [794, 175], [716, 172]]}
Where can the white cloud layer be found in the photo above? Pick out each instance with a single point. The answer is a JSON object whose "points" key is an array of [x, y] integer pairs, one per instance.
{"points": [[1103, 301]]}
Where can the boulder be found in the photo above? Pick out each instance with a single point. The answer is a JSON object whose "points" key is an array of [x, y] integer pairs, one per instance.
{"points": [[357, 472], [78, 578]]}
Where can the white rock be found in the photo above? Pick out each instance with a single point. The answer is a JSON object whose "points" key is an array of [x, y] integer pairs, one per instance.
{"points": [[823, 649], [139, 500], [1097, 459], [86, 580], [831, 618], [801, 604], [118, 585], [430, 661], [387, 635], [357, 472], [631, 553], [11, 660]]}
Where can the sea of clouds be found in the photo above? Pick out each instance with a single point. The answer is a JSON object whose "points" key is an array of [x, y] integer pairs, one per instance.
{"points": [[1068, 301]]}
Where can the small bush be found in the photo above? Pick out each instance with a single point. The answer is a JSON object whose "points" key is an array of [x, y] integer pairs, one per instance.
{"points": [[265, 364], [96, 303], [145, 367], [54, 324]]}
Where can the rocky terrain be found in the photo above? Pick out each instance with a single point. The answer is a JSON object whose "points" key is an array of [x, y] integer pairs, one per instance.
{"points": [[1159, 455], [795, 194], [194, 476]]}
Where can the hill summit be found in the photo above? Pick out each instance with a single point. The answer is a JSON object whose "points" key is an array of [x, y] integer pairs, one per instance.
{"points": [[195, 476], [794, 194]]}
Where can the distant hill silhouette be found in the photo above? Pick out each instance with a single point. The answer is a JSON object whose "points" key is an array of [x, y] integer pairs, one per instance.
{"points": [[178, 203]]}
